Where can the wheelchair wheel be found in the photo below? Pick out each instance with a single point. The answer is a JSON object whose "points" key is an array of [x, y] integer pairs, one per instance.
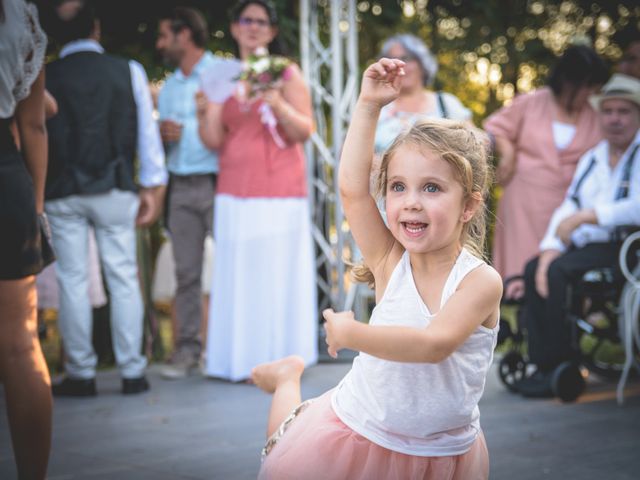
{"points": [[567, 382], [511, 370]]}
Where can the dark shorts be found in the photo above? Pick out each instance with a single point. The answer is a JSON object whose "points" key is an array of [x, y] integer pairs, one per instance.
{"points": [[21, 252]]}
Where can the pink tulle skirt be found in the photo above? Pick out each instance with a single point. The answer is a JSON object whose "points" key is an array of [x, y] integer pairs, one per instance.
{"points": [[317, 445]]}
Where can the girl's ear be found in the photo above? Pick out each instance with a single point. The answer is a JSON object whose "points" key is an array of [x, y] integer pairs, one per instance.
{"points": [[471, 206]]}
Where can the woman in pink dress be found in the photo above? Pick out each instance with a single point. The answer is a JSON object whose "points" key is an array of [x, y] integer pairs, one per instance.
{"points": [[263, 302], [539, 138]]}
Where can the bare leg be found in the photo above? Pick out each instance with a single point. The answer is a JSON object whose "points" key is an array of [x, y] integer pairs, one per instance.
{"points": [[26, 378], [282, 379]]}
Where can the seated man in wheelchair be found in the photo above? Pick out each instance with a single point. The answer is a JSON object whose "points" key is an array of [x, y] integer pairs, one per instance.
{"points": [[604, 194]]}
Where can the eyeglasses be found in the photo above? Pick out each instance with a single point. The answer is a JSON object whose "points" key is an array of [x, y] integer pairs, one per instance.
{"points": [[247, 21], [407, 58]]}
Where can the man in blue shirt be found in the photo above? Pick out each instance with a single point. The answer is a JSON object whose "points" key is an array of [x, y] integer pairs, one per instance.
{"points": [[192, 167]]}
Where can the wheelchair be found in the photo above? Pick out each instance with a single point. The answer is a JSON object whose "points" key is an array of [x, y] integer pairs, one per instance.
{"points": [[604, 317]]}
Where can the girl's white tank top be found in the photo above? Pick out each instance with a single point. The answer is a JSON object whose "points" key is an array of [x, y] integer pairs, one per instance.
{"points": [[421, 409]]}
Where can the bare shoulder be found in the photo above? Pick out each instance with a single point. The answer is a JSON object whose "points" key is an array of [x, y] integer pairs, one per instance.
{"points": [[482, 289], [484, 280], [293, 73]]}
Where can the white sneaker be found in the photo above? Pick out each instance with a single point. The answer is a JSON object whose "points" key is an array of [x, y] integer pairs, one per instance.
{"points": [[180, 368]]}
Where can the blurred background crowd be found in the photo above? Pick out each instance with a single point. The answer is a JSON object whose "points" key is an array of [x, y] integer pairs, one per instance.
{"points": [[180, 221]]}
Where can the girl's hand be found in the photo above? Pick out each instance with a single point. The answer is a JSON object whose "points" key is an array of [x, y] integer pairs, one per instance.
{"points": [[337, 326], [381, 81]]}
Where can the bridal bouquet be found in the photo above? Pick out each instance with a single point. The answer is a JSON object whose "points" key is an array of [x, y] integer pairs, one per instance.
{"points": [[263, 71]]}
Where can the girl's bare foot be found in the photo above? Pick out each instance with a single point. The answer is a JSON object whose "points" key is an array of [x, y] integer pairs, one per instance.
{"points": [[268, 376]]}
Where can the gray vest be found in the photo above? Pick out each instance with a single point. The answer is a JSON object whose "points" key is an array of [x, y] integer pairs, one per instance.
{"points": [[92, 139]]}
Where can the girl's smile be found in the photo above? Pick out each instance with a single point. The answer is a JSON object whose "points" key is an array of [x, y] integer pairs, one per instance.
{"points": [[414, 229]]}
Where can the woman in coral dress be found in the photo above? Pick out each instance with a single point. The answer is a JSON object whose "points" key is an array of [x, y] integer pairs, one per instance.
{"points": [[540, 137], [263, 302]]}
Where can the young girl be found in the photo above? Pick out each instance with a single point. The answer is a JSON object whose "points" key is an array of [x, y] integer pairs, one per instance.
{"points": [[408, 409]]}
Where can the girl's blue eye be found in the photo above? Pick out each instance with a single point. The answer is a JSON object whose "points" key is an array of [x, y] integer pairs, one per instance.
{"points": [[431, 188], [397, 187]]}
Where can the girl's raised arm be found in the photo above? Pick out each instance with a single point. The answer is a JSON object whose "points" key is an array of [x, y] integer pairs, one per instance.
{"points": [[380, 85]]}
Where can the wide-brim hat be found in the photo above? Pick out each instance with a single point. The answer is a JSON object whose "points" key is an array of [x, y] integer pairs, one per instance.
{"points": [[619, 86]]}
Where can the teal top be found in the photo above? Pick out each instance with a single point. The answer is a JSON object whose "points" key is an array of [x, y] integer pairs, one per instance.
{"points": [[177, 102]]}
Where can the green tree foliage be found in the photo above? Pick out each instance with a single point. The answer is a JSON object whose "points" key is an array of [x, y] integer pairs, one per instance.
{"points": [[491, 49], [488, 50], [129, 27]]}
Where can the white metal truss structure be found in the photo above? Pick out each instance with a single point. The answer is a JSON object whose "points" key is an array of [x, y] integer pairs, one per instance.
{"points": [[329, 57]]}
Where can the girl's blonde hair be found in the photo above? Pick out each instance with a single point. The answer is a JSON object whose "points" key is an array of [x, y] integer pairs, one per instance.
{"points": [[466, 149]]}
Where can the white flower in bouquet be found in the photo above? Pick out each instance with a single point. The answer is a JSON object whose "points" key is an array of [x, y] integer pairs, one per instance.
{"points": [[261, 65], [263, 71]]}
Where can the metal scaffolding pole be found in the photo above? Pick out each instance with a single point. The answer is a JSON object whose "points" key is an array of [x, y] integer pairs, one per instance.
{"points": [[329, 50]]}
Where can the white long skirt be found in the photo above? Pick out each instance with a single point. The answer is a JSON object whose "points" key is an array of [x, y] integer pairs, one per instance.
{"points": [[263, 301]]}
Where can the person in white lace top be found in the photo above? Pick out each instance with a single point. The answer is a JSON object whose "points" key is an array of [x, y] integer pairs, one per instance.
{"points": [[408, 408], [416, 100], [23, 45], [23, 370]]}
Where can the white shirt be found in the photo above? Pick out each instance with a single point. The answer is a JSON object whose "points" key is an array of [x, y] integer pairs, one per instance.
{"points": [[22, 46], [422, 409], [392, 122], [598, 192], [563, 134], [150, 152]]}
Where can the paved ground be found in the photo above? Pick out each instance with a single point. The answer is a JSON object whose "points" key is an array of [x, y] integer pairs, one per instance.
{"points": [[207, 429]]}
